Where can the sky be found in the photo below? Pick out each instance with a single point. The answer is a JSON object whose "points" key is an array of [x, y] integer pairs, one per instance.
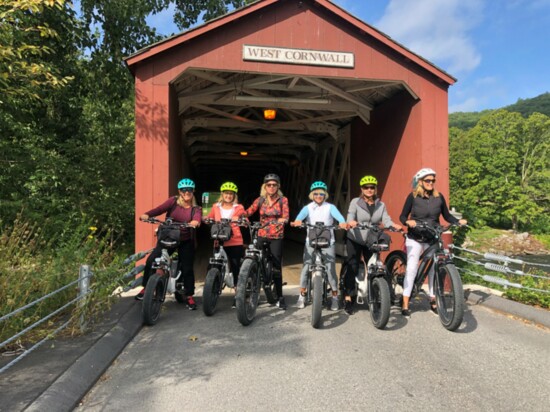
{"points": [[498, 50]]}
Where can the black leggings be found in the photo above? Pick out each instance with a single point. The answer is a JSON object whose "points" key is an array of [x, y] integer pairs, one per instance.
{"points": [[276, 247], [235, 255], [352, 264], [186, 258]]}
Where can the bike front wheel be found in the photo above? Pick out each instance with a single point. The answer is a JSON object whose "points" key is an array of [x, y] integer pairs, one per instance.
{"points": [[396, 266], [152, 299], [212, 290], [248, 291], [317, 299], [379, 302], [450, 296]]}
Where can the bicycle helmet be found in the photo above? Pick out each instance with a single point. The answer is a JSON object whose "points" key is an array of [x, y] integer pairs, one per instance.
{"points": [[186, 183], [229, 186], [272, 176], [318, 185], [421, 174], [368, 180]]}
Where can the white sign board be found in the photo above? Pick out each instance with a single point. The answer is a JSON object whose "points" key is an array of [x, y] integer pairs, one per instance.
{"points": [[298, 56]]}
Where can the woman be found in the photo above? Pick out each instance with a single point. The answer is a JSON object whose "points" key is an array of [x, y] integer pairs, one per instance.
{"points": [[426, 205], [273, 209], [181, 208], [367, 208], [319, 210], [228, 207]]}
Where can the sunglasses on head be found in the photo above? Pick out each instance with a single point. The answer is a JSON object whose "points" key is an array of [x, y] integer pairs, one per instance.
{"points": [[186, 190], [319, 194], [371, 187], [429, 181], [271, 184]]}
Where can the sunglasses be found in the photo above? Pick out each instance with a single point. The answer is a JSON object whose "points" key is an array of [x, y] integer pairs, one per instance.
{"points": [[429, 181], [186, 190], [368, 187], [319, 194], [271, 185]]}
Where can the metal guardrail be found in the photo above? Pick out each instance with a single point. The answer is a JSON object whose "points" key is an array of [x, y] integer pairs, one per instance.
{"points": [[84, 277], [486, 260]]}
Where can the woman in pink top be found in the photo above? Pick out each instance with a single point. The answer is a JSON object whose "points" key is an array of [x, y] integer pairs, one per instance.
{"points": [[228, 207]]}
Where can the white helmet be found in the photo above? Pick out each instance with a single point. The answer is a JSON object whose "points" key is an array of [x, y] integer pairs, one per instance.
{"points": [[422, 173]]}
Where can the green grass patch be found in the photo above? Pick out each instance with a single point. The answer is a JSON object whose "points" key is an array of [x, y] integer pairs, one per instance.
{"points": [[544, 239], [32, 266], [482, 237]]}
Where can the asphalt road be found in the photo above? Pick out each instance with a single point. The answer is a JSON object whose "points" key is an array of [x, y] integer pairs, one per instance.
{"points": [[191, 362]]}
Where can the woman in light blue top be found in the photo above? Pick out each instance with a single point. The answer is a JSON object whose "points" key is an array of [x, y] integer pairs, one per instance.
{"points": [[319, 210]]}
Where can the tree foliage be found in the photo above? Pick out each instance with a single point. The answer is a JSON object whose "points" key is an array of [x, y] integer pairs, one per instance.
{"points": [[499, 169]]}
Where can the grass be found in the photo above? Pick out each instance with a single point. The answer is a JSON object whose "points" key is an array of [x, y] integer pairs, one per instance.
{"points": [[482, 237], [544, 239], [32, 266]]}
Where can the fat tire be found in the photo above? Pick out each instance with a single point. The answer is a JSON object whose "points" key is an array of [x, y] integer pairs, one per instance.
{"points": [[211, 291], [449, 294], [379, 302], [269, 286], [317, 300], [152, 299], [248, 292]]}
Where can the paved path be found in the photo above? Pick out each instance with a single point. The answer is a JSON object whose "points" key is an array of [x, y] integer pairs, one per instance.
{"points": [[188, 361]]}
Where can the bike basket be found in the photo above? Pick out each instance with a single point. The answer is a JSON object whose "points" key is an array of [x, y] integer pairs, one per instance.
{"points": [[168, 236], [319, 237], [221, 231]]}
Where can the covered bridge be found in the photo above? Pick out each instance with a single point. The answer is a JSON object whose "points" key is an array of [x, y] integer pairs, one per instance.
{"points": [[349, 101]]}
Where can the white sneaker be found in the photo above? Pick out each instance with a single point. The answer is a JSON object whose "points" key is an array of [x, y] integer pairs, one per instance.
{"points": [[334, 305], [301, 302]]}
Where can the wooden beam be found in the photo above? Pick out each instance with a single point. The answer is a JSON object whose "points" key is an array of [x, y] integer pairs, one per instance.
{"points": [[338, 92]]}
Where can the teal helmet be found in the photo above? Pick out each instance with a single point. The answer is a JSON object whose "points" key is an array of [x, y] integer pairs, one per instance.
{"points": [[186, 183], [318, 185]]}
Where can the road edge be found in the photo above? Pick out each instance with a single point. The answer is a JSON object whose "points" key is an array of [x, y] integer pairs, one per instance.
{"points": [[65, 393], [529, 313]]}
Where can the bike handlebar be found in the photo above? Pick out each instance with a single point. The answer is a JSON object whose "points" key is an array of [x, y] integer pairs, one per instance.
{"points": [[240, 222], [377, 228], [318, 225], [167, 222]]}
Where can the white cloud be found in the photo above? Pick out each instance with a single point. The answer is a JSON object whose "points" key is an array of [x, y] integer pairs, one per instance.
{"points": [[436, 30]]}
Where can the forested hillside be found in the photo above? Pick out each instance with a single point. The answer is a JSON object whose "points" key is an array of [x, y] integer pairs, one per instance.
{"points": [[526, 107]]}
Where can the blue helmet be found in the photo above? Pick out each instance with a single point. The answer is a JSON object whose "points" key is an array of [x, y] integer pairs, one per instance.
{"points": [[318, 185], [186, 183]]}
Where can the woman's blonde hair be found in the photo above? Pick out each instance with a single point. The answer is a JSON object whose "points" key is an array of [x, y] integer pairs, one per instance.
{"points": [[263, 191], [235, 198], [316, 190], [181, 203], [419, 191]]}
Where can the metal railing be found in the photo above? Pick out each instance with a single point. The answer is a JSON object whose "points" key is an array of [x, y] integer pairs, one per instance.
{"points": [[84, 279], [487, 261]]}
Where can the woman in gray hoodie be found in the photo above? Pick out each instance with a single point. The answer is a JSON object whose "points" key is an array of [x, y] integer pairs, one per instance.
{"points": [[366, 208]]}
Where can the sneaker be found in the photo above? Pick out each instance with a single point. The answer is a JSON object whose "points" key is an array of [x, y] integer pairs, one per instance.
{"points": [[234, 304], [406, 313], [433, 307], [191, 304], [301, 302], [348, 307], [140, 295], [281, 304], [334, 305]]}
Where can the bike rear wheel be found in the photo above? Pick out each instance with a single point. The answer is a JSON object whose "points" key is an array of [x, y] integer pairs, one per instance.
{"points": [[317, 299], [248, 292], [152, 299], [212, 290], [379, 302], [450, 296], [269, 285]]}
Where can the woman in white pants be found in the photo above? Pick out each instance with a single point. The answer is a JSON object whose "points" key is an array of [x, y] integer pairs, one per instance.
{"points": [[425, 204]]}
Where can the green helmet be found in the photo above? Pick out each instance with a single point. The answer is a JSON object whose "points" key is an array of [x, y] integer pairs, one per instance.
{"points": [[368, 180], [186, 183], [229, 186], [318, 185]]}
